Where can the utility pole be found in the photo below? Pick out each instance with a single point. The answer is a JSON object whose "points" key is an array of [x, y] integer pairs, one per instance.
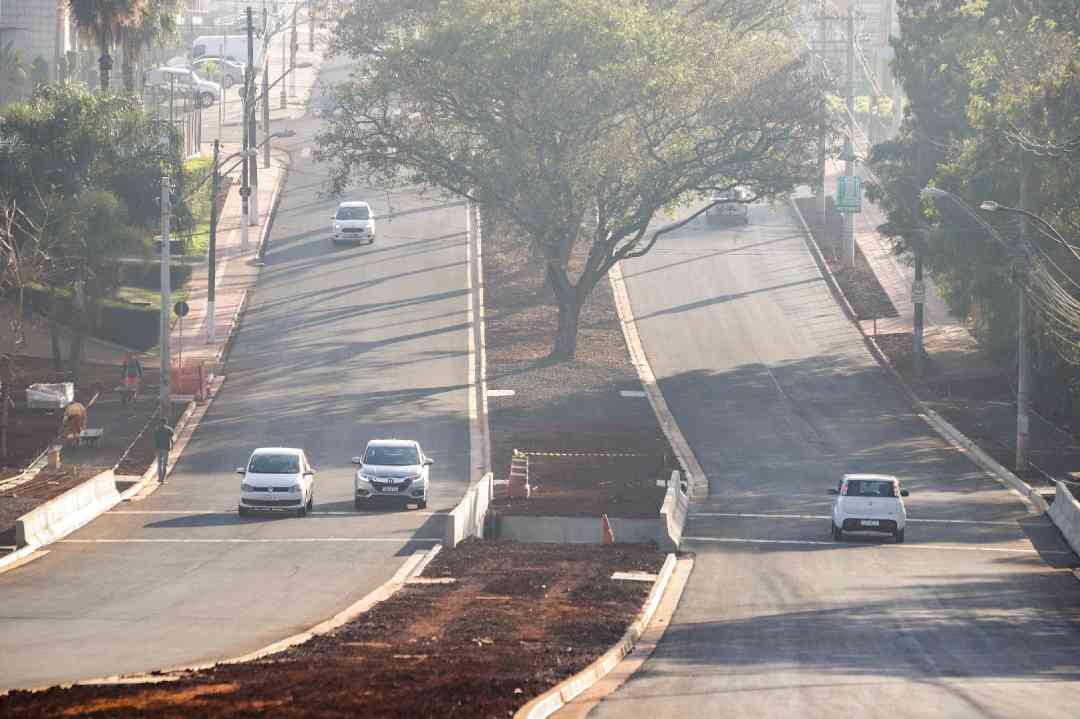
{"points": [[849, 147], [311, 26], [166, 299], [918, 297], [249, 119], [266, 89], [1023, 355], [211, 279], [823, 43], [293, 47], [284, 69], [245, 173]]}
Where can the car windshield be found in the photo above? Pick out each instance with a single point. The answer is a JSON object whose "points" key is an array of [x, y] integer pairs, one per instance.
{"points": [[274, 464], [870, 488], [353, 213], [393, 456]]}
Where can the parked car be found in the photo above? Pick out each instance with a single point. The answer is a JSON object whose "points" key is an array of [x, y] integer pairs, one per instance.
{"points": [[233, 47], [229, 72], [732, 207], [353, 222], [277, 479], [182, 79], [869, 503], [394, 469]]}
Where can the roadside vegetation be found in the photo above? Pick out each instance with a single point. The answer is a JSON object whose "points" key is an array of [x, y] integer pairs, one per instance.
{"points": [[993, 114], [579, 120]]}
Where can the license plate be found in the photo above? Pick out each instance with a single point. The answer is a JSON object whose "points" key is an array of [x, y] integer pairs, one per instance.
{"points": [[870, 523], [391, 489]]}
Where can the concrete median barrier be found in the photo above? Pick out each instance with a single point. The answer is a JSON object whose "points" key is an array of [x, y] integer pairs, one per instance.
{"points": [[1065, 514], [62, 515], [467, 518]]}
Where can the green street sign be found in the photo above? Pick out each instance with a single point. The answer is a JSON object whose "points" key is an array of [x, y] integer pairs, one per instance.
{"points": [[848, 194]]}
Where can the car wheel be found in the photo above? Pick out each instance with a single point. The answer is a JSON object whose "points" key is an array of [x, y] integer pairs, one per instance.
{"points": [[899, 535], [837, 533], [311, 502], [421, 504], [242, 511], [302, 512], [358, 505]]}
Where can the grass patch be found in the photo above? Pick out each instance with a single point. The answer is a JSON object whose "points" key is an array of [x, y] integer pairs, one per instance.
{"points": [[141, 296]]}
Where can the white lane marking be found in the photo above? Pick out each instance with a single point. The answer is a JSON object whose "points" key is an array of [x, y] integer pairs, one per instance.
{"points": [[747, 515], [267, 540], [808, 542], [198, 512]]}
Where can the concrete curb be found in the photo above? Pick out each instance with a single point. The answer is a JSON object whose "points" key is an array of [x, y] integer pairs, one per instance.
{"points": [[275, 200], [562, 693], [412, 567], [1034, 501], [1065, 514], [20, 556], [695, 475]]}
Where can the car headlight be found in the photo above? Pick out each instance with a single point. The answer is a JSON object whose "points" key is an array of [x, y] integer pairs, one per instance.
{"points": [[245, 487], [362, 477], [337, 225], [296, 488]]}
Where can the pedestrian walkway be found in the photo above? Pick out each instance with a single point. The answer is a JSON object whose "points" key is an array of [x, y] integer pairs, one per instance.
{"points": [[946, 337]]}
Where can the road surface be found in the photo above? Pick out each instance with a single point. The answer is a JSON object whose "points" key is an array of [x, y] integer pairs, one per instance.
{"points": [[974, 616], [338, 345]]}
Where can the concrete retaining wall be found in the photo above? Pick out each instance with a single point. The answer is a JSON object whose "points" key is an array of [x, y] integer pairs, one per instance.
{"points": [[1065, 513], [467, 518], [583, 530], [64, 514]]}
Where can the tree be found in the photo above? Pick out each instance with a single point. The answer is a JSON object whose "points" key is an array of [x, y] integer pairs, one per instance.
{"points": [[157, 22], [103, 20], [577, 119], [12, 71], [993, 113]]}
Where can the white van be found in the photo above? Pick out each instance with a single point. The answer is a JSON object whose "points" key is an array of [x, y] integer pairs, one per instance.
{"points": [[232, 47]]}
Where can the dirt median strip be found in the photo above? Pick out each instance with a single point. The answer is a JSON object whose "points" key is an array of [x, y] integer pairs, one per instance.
{"points": [[517, 620]]}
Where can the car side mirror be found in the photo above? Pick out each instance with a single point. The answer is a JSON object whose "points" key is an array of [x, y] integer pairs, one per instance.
{"points": [[428, 462], [904, 493], [241, 470], [356, 460], [834, 491]]}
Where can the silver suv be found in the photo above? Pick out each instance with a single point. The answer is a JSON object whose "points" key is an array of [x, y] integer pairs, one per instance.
{"points": [[394, 469]]}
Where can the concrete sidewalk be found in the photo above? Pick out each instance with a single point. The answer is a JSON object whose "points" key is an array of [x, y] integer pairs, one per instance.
{"points": [[946, 337]]}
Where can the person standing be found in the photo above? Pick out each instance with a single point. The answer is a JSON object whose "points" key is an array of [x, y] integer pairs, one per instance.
{"points": [[163, 442], [131, 372]]}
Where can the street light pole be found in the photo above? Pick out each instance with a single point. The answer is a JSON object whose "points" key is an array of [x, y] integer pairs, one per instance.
{"points": [[166, 300], [211, 287], [918, 296]]}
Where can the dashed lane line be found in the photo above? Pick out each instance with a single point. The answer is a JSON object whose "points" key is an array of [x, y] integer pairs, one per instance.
{"points": [[244, 540], [814, 543], [746, 515]]}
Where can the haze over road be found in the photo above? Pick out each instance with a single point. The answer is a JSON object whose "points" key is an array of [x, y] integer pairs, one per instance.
{"points": [[339, 345], [976, 615]]}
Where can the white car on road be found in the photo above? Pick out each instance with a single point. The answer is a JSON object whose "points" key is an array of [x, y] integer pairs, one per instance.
{"points": [[353, 222], [869, 503], [183, 80], [394, 469], [277, 479]]}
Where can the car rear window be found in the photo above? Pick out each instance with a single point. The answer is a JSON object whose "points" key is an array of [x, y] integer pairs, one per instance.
{"points": [[870, 488], [393, 456], [353, 213], [274, 464]]}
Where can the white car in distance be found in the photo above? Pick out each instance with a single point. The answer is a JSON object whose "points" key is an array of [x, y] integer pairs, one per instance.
{"points": [[353, 222], [869, 503], [277, 479], [393, 469]]}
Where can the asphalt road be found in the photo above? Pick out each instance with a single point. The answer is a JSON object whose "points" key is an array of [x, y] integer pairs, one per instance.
{"points": [[339, 345], [974, 616]]}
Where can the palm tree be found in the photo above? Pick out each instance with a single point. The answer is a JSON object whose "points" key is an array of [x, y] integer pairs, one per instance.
{"points": [[103, 20], [156, 21]]}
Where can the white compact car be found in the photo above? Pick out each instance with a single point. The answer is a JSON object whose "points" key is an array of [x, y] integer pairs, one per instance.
{"points": [[185, 80], [277, 479], [353, 222], [394, 469], [732, 208], [869, 503]]}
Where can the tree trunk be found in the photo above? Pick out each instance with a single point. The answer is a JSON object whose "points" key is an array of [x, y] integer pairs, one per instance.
{"points": [[54, 334], [569, 313]]}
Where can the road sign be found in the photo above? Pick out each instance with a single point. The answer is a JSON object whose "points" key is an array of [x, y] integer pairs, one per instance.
{"points": [[918, 291], [181, 309], [848, 194]]}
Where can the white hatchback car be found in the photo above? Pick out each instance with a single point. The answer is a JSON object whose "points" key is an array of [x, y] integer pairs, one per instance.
{"points": [[353, 222], [277, 479], [869, 503], [393, 469]]}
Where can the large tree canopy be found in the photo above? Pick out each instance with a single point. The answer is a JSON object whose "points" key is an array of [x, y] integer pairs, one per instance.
{"points": [[577, 119]]}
